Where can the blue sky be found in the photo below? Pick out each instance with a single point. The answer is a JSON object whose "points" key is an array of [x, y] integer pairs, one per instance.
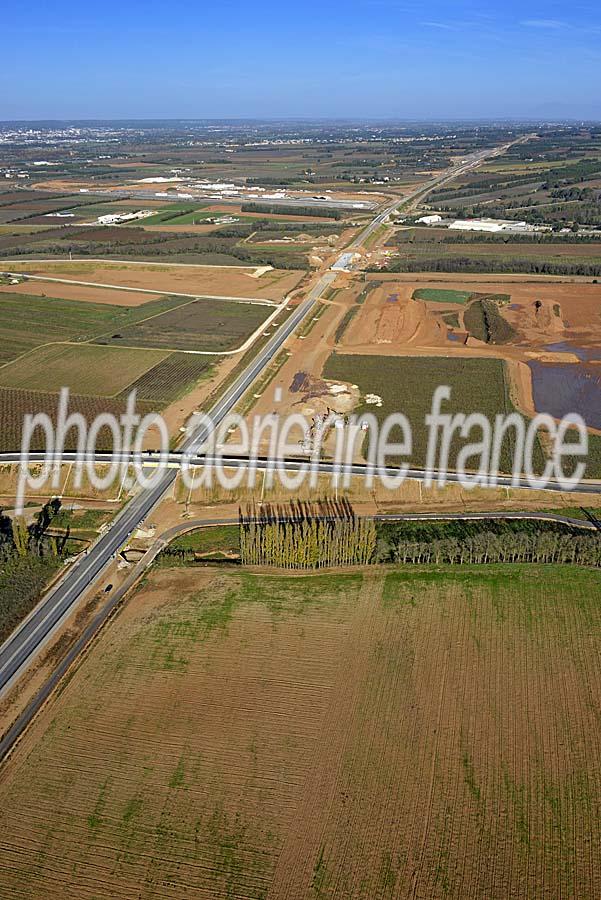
{"points": [[380, 58]]}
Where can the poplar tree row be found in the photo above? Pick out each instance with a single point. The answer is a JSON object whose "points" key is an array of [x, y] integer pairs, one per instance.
{"points": [[307, 543], [488, 547]]}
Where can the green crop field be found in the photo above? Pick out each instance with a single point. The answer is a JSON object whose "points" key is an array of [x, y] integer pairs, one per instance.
{"points": [[439, 295], [88, 369], [430, 732], [407, 385], [173, 214]]}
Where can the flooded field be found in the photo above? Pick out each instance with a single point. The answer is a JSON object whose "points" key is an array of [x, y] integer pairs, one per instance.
{"points": [[560, 389], [583, 353]]}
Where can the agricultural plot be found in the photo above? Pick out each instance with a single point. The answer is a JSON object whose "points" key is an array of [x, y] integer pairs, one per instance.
{"points": [[206, 324], [88, 369], [439, 295], [407, 385], [233, 735], [173, 377], [16, 404], [34, 206], [28, 321], [80, 293], [498, 257], [140, 242], [43, 348], [554, 160], [240, 281], [46, 344]]}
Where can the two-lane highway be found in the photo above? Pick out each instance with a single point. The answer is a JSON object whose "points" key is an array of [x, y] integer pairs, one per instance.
{"points": [[18, 650], [475, 159], [23, 645]]}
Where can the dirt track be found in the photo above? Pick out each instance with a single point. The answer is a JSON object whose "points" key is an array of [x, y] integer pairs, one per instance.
{"points": [[235, 281]]}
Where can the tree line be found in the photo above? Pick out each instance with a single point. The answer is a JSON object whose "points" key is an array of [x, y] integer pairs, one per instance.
{"points": [[488, 264], [184, 245], [491, 547], [29, 556], [299, 537], [276, 210], [308, 536], [474, 237], [19, 539]]}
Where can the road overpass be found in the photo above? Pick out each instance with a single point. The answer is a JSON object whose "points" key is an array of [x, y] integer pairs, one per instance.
{"points": [[33, 634]]}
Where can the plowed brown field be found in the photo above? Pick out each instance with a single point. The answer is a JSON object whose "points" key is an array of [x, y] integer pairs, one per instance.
{"points": [[420, 733], [235, 281], [79, 292]]}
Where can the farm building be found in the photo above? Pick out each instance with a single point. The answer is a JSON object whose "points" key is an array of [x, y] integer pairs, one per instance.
{"points": [[430, 220]]}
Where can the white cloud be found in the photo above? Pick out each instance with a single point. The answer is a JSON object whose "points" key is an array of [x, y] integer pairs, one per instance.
{"points": [[438, 25], [543, 23]]}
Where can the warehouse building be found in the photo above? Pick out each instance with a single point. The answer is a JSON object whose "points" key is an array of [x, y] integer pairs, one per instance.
{"points": [[492, 225], [430, 220]]}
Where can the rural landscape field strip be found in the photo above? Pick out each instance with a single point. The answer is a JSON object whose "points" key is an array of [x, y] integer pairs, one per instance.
{"points": [[53, 342], [396, 733], [231, 844], [16, 404], [187, 278], [29, 321], [171, 378], [88, 368], [207, 325]]}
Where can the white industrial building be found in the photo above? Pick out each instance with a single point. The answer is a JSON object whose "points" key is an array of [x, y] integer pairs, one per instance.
{"points": [[430, 220], [117, 218], [492, 225]]}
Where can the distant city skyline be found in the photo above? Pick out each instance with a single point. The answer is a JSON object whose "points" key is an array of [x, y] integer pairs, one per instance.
{"points": [[392, 59]]}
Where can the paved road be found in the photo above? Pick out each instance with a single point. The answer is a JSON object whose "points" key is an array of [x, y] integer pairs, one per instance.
{"points": [[17, 652], [175, 460], [469, 163], [29, 638]]}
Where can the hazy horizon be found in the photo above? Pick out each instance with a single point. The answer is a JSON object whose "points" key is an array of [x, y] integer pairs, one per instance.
{"points": [[308, 119]]}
